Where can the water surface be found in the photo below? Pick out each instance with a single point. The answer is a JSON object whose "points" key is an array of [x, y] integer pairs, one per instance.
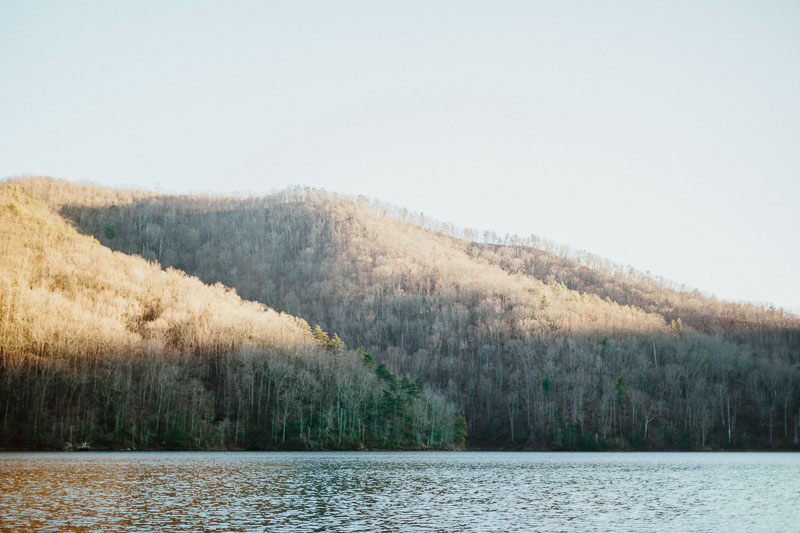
{"points": [[401, 491]]}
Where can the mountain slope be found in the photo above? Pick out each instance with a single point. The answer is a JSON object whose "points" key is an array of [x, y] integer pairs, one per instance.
{"points": [[103, 347], [628, 287], [537, 350]]}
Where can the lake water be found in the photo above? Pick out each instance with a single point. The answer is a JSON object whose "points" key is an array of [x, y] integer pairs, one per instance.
{"points": [[401, 491]]}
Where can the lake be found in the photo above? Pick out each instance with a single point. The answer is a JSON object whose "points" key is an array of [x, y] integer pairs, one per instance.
{"points": [[400, 491]]}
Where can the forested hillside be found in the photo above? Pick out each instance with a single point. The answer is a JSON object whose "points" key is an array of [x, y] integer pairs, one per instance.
{"points": [[626, 286], [103, 348], [536, 349]]}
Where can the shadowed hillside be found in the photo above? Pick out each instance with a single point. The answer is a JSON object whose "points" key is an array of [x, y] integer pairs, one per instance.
{"points": [[101, 347], [536, 349]]}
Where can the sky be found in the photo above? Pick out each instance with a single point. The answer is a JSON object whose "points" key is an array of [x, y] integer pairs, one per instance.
{"points": [[662, 135]]}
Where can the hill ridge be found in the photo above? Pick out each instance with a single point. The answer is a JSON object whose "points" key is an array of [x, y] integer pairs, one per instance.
{"points": [[531, 363]]}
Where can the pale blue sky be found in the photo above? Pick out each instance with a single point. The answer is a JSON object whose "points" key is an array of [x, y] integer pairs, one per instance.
{"points": [[665, 135]]}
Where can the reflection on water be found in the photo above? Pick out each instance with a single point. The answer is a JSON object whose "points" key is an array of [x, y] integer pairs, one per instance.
{"points": [[401, 491]]}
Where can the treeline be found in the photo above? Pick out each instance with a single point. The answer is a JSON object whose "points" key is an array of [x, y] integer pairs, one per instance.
{"points": [[102, 348], [248, 399], [535, 349]]}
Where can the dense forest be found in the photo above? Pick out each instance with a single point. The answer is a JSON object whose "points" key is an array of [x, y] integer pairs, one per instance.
{"points": [[105, 350], [536, 347]]}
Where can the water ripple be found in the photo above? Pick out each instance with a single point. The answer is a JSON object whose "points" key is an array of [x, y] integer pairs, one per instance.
{"points": [[401, 491]]}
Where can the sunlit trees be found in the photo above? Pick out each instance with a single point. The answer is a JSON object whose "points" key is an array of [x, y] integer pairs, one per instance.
{"points": [[101, 347], [629, 360]]}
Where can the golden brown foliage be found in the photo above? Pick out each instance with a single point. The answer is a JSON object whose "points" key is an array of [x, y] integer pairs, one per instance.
{"points": [[63, 293]]}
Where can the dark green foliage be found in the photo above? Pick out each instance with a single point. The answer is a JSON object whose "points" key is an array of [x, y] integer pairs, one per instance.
{"points": [[412, 389], [384, 374], [367, 358], [460, 430]]}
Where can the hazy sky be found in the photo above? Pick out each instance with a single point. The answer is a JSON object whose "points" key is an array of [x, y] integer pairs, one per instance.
{"points": [[665, 135]]}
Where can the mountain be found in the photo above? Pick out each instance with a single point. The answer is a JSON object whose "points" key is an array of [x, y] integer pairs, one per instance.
{"points": [[536, 349], [108, 349]]}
